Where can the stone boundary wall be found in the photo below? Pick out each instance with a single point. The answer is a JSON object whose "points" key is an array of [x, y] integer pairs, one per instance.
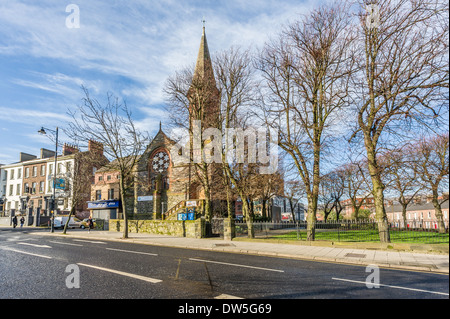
{"points": [[176, 228]]}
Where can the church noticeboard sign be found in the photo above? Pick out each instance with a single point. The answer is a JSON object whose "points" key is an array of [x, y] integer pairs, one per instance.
{"points": [[182, 216], [191, 203], [190, 211], [144, 198]]}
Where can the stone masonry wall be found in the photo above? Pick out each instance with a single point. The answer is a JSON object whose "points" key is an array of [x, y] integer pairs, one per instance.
{"points": [[177, 228]]}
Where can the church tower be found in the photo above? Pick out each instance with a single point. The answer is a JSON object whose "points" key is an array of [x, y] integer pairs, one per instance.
{"points": [[170, 184], [204, 97]]}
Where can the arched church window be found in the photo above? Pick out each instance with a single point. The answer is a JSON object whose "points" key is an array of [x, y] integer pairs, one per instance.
{"points": [[160, 162]]}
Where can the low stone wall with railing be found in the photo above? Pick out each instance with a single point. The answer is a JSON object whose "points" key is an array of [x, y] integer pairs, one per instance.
{"points": [[177, 228]]}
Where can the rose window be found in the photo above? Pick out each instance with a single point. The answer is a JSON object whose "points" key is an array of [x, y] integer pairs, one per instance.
{"points": [[160, 162]]}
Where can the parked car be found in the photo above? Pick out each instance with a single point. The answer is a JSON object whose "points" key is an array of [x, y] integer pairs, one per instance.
{"points": [[74, 222], [84, 223]]}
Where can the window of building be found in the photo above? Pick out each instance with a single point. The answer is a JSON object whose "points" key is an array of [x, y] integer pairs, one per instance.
{"points": [[12, 175], [43, 170], [100, 178], [41, 187], [33, 188], [34, 171], [108, 177], [166, 184], [27, 172], [26, 189], [11, 188], [111, 193], [98, 195], [18, 189], [19, 173]]}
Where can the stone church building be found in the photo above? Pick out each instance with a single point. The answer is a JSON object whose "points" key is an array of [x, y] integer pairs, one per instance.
{"points": [[163, 186]]}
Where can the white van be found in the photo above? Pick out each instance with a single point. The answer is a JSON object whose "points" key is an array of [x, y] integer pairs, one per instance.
{"points": [[61, 221]]}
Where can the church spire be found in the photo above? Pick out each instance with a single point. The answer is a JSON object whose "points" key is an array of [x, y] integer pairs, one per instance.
{"points": [[204, 68]]}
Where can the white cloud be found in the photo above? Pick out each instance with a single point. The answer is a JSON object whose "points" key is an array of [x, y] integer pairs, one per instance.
{"points": [[30, 116], [129, 48]]}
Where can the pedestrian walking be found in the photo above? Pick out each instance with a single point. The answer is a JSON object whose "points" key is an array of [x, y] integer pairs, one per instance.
{"points": [[22, 221], [90, 224], [14, 220]]}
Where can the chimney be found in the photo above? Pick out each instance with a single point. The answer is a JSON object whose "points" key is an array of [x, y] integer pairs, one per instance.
{"points": [[69, 149], [95, 147], [26, 157], [45, 153]]}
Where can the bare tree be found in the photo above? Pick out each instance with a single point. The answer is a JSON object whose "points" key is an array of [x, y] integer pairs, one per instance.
{"points": [[307, 72], [431, 160], [332, 191], [193, 96], [402, 177], [403, 78], [112, 125], [79, 178], [235, 81], [357, 186]]}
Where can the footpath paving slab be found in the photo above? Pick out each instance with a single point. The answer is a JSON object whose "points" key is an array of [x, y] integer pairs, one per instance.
{"points": [[438, 263]]}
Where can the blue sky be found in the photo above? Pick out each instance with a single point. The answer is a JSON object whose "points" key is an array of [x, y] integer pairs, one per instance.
{"points": [[126, 47]]}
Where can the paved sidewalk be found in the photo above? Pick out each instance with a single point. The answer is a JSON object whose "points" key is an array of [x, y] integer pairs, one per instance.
{"points": [[437, 263]]}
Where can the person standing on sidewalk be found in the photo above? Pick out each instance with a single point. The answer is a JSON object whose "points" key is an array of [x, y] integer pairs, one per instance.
{"points": [[22, 220], [90, 224], [14, 220]]}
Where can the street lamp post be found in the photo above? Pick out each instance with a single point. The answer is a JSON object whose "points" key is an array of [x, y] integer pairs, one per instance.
{"points": [[43, 132]]}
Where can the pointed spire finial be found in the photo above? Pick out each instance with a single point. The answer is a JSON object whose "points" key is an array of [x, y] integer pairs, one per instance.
{"points": [[160, 125], [204, 24]]}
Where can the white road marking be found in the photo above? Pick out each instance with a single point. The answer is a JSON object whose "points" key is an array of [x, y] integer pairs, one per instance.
{"points": [[225, 296], [236, 265], [133, 252], [148, 279], [34, 245], [90, 241], [26, 253], [61, 243], [396, 287]]}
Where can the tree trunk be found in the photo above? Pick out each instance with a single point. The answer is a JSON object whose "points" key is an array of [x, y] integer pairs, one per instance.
{"points": [[438, 213], [377, 190], [68, 220], [311, 223], [229, 202], [380, 212], [248, 218], [124, 211], [405, 223]]}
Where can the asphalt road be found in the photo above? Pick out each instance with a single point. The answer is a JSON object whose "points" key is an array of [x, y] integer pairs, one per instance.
{"points": [[43, 267]]}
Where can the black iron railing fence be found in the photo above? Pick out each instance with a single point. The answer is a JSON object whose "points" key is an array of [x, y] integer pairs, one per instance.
{"points": [[413, 231]]}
